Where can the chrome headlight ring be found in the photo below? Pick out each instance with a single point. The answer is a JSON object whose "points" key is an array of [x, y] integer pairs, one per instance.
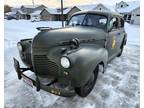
{"points": [[20, 47], [65, 62]]}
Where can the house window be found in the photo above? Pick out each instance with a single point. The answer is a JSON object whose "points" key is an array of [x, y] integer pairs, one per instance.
{"points": [[114, 22], [125, 17], [99, 8], [121, 23], [138, 15], [121, 6], [129, 17]]}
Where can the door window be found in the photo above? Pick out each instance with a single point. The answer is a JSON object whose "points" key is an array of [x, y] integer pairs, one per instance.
{"points": [[114, 23], [129, 17]]}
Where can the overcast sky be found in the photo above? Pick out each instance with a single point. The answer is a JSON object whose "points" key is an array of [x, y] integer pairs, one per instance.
{"points": [[56, 3]]}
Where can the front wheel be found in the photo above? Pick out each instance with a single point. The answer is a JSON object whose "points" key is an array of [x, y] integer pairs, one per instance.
{"points": [[87, 88]]}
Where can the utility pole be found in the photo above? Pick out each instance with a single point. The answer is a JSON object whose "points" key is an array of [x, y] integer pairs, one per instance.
{"points": [[62, 18], [33, 2]]}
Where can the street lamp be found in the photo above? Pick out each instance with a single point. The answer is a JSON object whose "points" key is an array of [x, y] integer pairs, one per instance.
{"points": [[62, 13]]}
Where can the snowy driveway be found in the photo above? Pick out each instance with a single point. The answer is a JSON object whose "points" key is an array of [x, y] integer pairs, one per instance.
{"points": [[117, 88]]}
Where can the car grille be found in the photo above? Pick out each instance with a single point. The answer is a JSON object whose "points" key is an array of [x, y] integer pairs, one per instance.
{"points": [[28, 58], [44, 66]]}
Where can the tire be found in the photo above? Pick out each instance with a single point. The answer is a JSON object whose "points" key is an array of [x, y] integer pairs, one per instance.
{"points": [[88, 87]]}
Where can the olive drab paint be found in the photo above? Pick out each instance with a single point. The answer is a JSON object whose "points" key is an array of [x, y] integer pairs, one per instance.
{"points": [[85, 48]]}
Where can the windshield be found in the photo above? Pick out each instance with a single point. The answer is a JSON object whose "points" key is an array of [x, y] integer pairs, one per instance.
{"points": [[93, 20]]}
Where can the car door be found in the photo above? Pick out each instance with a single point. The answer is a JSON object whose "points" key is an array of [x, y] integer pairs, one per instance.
{"points": [[122, 33], [113, 38]]}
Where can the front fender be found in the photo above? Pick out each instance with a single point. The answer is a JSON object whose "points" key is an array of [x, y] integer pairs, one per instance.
{"points": [[84, 61]]}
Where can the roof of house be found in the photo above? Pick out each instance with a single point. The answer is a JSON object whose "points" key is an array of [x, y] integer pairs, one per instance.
{"points": [[51, 10], [87, 7], [36, 12], [21, 12], [108, 7], [131, 6], [93, 6], [55, 11], [31, 6]]}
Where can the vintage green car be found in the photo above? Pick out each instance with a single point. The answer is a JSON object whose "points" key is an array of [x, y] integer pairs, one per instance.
{"points": [[66, 61]]}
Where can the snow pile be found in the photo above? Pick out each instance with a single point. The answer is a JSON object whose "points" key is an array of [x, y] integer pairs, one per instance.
{"points": [[16, 30], [133, 33], [117, 88]]}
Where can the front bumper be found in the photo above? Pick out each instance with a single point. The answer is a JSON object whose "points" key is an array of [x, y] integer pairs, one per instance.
{"points": [[36, 82]]}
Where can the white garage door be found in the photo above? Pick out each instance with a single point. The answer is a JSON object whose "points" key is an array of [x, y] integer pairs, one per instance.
{"points": [[137, 20]]}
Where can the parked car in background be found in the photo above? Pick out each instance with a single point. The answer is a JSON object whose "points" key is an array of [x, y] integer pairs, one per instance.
{"points": [[10, 17], [35, 19]]}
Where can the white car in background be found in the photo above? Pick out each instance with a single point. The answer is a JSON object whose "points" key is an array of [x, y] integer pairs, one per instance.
{"points": [[35, 19]]}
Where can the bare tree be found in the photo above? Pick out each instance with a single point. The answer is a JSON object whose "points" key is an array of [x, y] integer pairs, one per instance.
{"points": [[7, 8]]}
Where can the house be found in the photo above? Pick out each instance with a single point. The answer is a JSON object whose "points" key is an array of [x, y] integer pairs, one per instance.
{"points": [[15, 9], [22, 15], [71, 11], [87, 7], [25, 11], [130, 11], [40, 7], [49, 14], [55, 14], [27, 8], [101, 7], [36, 15]]}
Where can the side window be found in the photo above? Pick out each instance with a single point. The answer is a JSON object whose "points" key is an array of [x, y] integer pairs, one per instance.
{"points": [[114, 23], [111, 23]]}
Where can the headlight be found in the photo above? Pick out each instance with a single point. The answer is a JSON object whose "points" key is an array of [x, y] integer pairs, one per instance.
{"points": [[65, 62], [20, 47]]}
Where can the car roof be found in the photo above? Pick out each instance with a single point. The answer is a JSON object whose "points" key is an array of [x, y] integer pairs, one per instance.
{"points": [[107, 13]]}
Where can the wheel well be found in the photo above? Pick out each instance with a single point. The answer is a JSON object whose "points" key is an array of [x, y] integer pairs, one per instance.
{"points": [[101, 65], [123, 42]]}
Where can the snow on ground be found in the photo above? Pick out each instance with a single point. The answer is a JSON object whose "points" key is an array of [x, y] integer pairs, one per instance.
{"points": [[117, 88], [133, 32], [16, 30]]}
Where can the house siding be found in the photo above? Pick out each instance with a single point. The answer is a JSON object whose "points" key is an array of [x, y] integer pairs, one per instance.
{"points": [[41, 7], [122, 4], [45, 15], [72, 11], [131, 15], [101, 8], [135, 19]]}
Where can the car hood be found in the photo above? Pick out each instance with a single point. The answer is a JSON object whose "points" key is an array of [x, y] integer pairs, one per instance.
{"points": [[52, 37]]}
